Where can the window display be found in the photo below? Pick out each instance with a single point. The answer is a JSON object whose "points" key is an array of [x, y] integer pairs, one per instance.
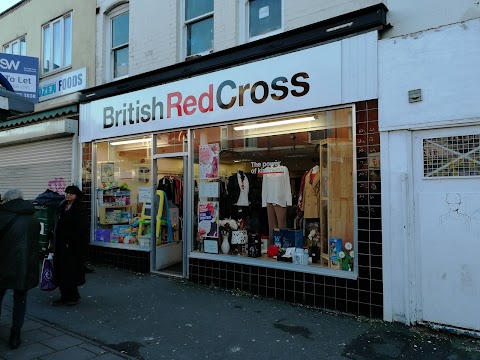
{"points": [[125, 203], [123, 176], [279, 190]]}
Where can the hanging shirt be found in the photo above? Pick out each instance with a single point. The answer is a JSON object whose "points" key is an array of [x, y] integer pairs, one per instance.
{"points": [[276, 186]]}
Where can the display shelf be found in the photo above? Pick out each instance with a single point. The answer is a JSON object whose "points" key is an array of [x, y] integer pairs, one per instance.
{"points": [[104, 210], [121, 246], [114, 206]]}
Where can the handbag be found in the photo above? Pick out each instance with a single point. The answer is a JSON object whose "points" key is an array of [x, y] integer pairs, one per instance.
{"points": [[47, 281]]}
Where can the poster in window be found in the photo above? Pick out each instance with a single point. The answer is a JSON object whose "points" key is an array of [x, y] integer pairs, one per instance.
{"points": [[210, 245], [208, 219], [208, 158], [209, 189], [107, 175]]}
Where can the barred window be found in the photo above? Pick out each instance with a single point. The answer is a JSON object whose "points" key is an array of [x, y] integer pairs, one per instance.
{"points": [[451, 156]]}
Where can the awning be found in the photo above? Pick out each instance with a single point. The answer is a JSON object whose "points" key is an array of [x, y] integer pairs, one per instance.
{"points": [[41, 115], [49, 129]]}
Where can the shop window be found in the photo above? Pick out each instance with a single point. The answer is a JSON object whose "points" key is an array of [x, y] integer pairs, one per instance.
{"points": [[278, 190], [57, 43], [16, 47], [199, 26], [451, 156], [118, 42], [124, 199], [264, 17], [123, 179]]}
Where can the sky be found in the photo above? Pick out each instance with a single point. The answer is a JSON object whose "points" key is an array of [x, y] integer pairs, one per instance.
{"points": [[5, 4]]}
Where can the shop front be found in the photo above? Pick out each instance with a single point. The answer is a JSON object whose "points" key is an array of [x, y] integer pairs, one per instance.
{"points": [[262, 177], [39, 151]]}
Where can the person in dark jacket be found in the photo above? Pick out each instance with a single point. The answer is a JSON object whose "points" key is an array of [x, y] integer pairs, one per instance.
{"points": [[69, 245], [19, 255]]}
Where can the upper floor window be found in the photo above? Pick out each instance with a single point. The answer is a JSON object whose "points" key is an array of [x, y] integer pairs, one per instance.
{"points": [[199, 26], [264, 17], [57, 43], [119, 40], [16, 47]]}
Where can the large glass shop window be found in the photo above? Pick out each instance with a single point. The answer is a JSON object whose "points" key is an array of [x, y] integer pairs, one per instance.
{"points": [[277, 190], [123, 178]]}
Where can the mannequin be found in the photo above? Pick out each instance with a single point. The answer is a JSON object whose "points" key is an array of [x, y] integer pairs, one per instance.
{"points": [[311, 194], [276, 196], [239, 193]]}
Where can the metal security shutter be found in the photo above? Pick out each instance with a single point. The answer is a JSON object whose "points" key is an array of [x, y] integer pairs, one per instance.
{"points": [[37, 166]]}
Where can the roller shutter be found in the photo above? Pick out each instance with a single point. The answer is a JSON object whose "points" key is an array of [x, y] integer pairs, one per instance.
{"points": [[37, 166]]}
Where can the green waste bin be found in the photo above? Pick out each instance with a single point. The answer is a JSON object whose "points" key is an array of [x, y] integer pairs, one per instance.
{"points": [[46, 216]]}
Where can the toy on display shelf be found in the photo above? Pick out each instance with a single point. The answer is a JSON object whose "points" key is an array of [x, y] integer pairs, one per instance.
{"points": [[334, 248], [107, 185], [130, 236], [134, 229]]}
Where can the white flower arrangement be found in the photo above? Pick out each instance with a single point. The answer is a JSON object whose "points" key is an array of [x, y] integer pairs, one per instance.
{"points": [[314, 237], [348, 246], [227, 226]]}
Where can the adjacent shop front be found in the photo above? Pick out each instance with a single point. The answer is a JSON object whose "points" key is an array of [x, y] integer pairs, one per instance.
{"points": [[262, 177]]}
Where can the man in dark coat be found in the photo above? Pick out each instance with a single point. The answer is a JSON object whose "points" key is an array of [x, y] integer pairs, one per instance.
{"points": [[69, 245], [19, 255]]}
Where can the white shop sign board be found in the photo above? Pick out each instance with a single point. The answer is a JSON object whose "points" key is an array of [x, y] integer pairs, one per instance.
{"points": [[336, 73], [64, 84]]}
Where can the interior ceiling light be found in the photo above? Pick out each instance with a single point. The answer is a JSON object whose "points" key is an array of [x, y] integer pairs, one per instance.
{"points": [[274, 123], [133, 141]]}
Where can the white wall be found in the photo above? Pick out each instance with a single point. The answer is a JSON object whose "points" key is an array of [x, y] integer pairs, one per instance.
{"points": [[406, 16], [443, 63], [409, 16], [226, 24], [398, 260], [154, 35], [157, 38]]}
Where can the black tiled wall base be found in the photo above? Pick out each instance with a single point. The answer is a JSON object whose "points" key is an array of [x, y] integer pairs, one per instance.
{"points": [[138, 261], [312, 290]]}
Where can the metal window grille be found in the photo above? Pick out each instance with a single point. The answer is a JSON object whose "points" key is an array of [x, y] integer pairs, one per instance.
{"points": [[451, 156]]}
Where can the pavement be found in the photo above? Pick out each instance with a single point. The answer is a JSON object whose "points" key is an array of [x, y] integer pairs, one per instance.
{"points": [[128, 315]]}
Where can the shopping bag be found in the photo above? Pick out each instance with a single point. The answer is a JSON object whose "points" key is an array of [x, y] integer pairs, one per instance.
{"points": [[47, 281]]}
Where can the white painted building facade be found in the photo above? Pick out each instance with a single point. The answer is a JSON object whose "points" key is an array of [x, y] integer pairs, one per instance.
{"points": [[430, 186], [432, 46]]}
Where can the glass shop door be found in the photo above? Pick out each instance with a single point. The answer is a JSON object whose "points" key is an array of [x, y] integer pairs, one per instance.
{"points": [[168, 256]]}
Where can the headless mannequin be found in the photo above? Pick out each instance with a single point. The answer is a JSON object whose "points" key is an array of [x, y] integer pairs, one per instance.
{"points": [[277, 218], [276, 196], [238, 191]]}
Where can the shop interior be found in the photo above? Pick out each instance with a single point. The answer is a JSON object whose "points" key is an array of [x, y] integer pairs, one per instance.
{"points": [[236, 173]]}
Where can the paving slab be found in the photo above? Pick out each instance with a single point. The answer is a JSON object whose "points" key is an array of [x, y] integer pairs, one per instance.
{"points": [[150, 317]]}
